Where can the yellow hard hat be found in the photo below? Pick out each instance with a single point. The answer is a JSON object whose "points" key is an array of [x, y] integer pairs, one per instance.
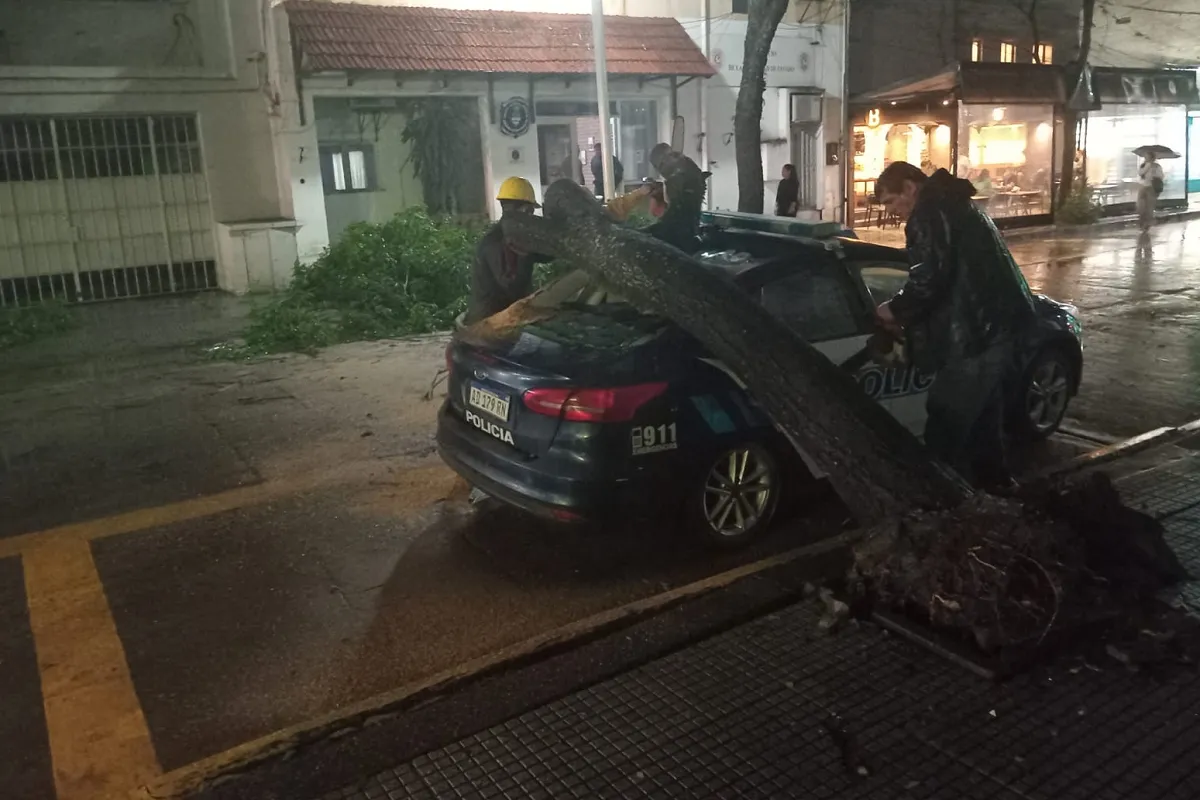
{"points": [[517, 189]]}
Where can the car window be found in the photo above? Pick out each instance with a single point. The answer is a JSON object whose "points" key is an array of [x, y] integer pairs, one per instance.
{"points": [[816, 303], [883, 280]]}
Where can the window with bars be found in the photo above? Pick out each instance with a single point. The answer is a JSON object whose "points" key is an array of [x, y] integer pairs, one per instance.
{"points": [[35, 149], [347, 168]]}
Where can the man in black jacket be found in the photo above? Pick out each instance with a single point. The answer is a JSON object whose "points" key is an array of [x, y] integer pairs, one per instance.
{"points": [[962, 309]]}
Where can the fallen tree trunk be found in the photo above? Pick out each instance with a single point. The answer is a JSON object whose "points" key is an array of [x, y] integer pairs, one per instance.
{"points": [[877, 467], [999, 571]]}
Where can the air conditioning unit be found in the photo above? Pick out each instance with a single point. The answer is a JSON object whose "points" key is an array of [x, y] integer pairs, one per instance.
{"points": [[806, 107], [366, 105]]}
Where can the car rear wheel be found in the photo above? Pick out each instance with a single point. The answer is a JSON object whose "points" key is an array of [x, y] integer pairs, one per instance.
{"points": [[1044, 395], [737, 495]]}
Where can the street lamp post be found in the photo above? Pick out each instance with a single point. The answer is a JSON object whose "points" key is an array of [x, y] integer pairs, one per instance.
{"points": [[602, 96]]}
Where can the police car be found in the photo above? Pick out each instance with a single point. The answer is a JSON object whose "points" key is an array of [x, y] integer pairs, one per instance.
{"points": [[598, 410]]}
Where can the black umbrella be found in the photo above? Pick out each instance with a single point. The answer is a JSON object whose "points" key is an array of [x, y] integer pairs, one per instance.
{"points": [[1156, 150]]}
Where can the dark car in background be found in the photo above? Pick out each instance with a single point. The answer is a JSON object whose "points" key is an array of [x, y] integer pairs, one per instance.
{"points": [[597, 410]]}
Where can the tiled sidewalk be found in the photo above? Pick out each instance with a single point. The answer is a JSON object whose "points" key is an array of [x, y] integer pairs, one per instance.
{"points": [[772, 709]]}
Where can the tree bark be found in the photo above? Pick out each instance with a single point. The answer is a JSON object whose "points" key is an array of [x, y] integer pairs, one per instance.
{"points": [[877, 467], [1070, 117], [763, 20], [1028, 9]]}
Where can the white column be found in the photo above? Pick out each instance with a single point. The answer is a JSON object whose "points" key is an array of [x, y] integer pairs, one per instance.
{"points": [[598, 45]]}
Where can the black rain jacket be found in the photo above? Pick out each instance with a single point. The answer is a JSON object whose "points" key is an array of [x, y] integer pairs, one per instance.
{"points": [[964, 290]]}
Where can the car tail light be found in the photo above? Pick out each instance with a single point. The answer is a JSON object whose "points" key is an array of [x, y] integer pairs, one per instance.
{"points": [[593, 405]]}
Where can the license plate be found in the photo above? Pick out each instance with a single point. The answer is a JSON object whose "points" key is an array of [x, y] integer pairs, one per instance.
{"points": [[489, 403]]}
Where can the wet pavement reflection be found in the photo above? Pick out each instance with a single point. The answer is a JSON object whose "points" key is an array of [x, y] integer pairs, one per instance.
{"points": [[1138, 301]]}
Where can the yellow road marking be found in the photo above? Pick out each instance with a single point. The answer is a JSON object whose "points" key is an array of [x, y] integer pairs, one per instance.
{"points": [[242, 497], [99, 743]]}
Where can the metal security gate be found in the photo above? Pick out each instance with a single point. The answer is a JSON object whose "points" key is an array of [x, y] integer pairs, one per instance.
{"points": [[806, 160], [100, 208]]}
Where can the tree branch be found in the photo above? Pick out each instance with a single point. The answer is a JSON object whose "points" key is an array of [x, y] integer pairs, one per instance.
{"points": [[873, 462]]}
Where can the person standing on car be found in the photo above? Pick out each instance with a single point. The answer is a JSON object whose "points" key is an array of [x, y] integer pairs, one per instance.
{"points": [[962, 309], [787, 196], [502, 274], [1150, 176]]}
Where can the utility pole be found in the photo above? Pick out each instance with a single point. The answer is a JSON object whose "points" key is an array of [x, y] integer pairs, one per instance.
{"points": [[598, 45]]}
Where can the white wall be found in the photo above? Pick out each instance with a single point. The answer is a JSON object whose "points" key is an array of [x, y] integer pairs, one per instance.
{"points": [[395, 185], [803, 57], [499, 163], [232, 93], [186, 35]]}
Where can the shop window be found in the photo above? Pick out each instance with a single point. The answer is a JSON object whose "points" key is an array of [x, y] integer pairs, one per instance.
{"points": [[1007, 152], [637, 122], [1044, 54], [1193, 156], [926, 143], [1110, 136], [977, 50], [1008, 52], [347, 168]]}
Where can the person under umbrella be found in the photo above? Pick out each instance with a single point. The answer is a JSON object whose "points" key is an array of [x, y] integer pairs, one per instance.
{"points": [[1150, 178]]}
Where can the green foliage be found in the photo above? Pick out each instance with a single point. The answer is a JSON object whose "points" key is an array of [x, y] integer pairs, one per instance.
{"points": [[22, 325], [444, 134], [1079, 207], [408, 275]]}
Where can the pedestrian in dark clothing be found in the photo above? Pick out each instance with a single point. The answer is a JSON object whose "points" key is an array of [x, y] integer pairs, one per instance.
{"points": [[598, 171], [961, 310], [501, 274], [787, 196]]}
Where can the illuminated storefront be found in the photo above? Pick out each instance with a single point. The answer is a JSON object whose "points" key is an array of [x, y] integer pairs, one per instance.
{"points": [[1000, 126], [1136, 107], [1008, 151], [991, 123], [883, 136]]}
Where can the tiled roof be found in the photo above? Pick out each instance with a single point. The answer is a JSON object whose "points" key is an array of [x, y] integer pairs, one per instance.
{"points": [[346, 36]]}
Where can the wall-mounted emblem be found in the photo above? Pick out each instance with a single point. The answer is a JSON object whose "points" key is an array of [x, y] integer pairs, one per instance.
{"points": [[515, 117]]}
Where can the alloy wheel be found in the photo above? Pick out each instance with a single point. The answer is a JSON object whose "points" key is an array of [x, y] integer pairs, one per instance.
{"points": [[738, 491], [1048, 394]]}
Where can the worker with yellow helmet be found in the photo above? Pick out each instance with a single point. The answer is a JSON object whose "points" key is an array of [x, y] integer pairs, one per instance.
{"points": [[501, 274]]}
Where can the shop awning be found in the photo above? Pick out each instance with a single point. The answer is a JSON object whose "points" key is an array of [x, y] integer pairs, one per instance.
{"points": [[1153, 86], [933, 87], [346, 36], [976, 82]]}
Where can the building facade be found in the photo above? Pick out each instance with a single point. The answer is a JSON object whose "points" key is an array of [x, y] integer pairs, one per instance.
{"points": [[892, 41], [150, 148], [137, 142], [803, 114]]}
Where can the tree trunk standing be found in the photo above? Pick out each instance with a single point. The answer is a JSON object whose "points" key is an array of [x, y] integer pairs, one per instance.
{"points": [[761, 23], [875, 465], [1070, 117]]}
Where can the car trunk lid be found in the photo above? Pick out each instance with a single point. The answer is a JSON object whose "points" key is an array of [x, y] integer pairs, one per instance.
{"points": [[573, 348]]}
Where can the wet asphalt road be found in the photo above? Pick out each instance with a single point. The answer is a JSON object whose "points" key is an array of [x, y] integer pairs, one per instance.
{"points": [[330, 557], [1139, 302]]}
